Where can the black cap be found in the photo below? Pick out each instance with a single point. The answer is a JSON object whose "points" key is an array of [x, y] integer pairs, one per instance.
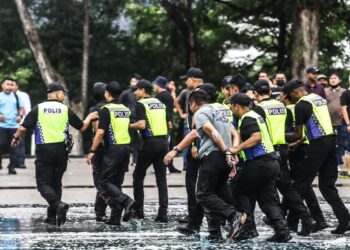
{"points": [[210, 90], [98, 90], [144, 84], [114, 88], [261, 85], [292, 85], [241, 99], [226, 81], [55, 86], [312, 69], [247, 86], [193, 72]]}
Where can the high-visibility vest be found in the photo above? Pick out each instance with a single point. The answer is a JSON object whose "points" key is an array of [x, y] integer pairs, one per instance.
{"points": [[156, 124], [118, 129], [319, 124], [53, 124], [276, 115], [262, 148], [291, 107]]}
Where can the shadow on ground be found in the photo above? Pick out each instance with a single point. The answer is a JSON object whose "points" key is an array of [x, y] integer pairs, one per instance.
{"points": [[22, 227]]}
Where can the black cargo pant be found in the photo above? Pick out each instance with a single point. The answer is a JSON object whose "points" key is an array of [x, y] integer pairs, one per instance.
{"points": [[322, 159], [195, 210], [50, 165], [152, 151], [284, 185], [258, 178], [101, 195], [115, 161], [297, 169], [212, 191]]}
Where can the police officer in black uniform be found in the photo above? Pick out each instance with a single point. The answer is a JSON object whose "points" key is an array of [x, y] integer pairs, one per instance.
{"points": [[153, 125], [101, 196], [51, 120], [113, 128]]}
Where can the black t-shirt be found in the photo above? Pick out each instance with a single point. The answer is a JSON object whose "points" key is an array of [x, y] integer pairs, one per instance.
{"points": [[97, 108], [166, 98], [104, 117], [248, 127], [345, 100], [128, 99], [32, 118], [303, 112]]}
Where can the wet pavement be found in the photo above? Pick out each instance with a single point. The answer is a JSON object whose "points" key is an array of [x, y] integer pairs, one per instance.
{"points": [[22, 227]]}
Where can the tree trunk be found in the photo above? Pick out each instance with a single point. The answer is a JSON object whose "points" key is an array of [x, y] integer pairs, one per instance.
{"points": [[184, 22], [305, 32], [282, 51], [47, 71], [85, 63]]}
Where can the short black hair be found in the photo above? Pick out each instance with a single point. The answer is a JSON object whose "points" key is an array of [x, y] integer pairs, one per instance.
{"points": [[114, 89], [136, 76], [199, 97], [7, 79]]}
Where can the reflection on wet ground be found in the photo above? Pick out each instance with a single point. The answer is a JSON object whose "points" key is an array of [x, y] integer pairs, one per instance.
{"points": [[22, 227]]}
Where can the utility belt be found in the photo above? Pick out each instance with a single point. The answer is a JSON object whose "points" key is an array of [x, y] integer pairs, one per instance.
{"points": [[160, 137], [269, 156], [279, 147], [322, 137]]}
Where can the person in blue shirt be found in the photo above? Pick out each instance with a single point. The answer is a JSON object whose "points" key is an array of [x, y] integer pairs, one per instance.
{"points": [[11, 114]]}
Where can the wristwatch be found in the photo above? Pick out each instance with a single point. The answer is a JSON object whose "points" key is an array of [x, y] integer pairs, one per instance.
{"points": [[176, 149]]}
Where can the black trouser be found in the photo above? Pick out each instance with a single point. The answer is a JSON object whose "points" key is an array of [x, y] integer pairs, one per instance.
{"points": [[152, 151], [115, 160], [297, 169], [321, 159], [6, 136], [284, 185], [51, 163], [101, 195], [135, 144], [195, 210], [212, 192], [257, 177]]}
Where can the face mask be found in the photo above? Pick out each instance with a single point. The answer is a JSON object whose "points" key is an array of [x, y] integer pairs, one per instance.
{"points": [[281, 83]]}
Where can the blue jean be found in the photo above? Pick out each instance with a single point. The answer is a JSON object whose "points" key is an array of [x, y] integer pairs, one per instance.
{"points": [[342, 137], [6, 135], [186, 130]]}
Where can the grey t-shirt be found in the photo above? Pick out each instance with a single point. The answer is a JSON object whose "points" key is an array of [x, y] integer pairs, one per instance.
{"points": [[218, 116]]}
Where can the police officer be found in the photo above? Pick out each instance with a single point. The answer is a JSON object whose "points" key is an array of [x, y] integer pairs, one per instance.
{"points": [[312, 112], [113, 128], [51, 120], [215, 132], [296, 157], [152, 123], [277, 118], [101, 196], [260, 168]]}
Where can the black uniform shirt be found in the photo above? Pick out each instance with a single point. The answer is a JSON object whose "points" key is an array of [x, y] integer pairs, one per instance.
{"points": [[166, 98], [345, 100], [32, 118], [303, 112], [248, 127]]}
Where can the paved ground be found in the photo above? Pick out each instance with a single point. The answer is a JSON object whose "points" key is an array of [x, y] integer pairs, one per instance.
{"points": [[22, 211]]}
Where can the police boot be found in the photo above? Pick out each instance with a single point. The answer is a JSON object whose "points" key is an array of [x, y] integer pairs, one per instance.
{"points": [[183, 220], [139, 213], [248, 230], [114, 219], [342, 228], [188, 230], [318, 226], [162, 216], [129, 210], [215, 237], [61, 213], [283, 236], [101, 218], [306, 227], [51, 216]]}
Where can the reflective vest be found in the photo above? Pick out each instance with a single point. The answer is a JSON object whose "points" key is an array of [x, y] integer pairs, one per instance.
{"points": [[319, 124], [225, 111], [53, 124], [276, 115], [156, 124], [262, 148], [118, 129], [291, 107]]}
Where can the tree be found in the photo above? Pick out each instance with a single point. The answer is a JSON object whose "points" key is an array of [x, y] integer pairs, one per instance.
{"points": [[306, 27]]}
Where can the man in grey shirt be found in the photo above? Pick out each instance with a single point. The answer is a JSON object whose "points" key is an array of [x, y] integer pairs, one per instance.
{"points": [[216, 164]]}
